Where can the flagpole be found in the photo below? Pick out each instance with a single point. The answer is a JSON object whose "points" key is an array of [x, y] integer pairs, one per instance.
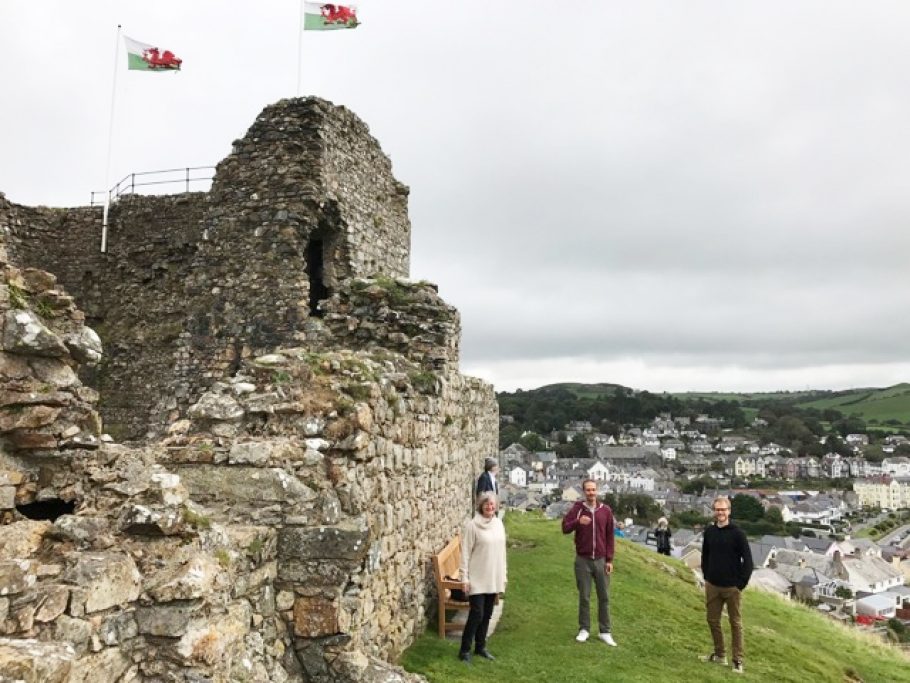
{"points": [[300, 47], [110, 147]]}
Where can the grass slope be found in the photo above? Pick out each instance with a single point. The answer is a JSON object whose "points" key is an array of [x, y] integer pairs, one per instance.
{"points": [[743, 396], [658, 621], [592, 391], [892, 403]]}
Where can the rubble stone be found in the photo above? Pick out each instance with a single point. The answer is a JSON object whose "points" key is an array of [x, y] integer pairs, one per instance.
{"points": [[29, 661], [105, 579]]}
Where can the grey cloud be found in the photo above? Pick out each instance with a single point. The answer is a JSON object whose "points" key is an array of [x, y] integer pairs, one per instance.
{"points": [[691, 185]]}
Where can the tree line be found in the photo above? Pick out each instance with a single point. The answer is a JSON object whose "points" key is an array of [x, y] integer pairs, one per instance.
{"points": [[611, 409]]}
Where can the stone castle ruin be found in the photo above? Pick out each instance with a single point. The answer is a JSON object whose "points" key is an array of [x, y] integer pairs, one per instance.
{"points": [[292, 439]]}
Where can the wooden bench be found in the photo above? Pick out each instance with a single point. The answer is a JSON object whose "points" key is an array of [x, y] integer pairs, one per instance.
{"points": [[446, 565]]}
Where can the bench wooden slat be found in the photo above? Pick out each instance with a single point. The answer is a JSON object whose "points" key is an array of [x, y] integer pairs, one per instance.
{"points": [[446, 565]]}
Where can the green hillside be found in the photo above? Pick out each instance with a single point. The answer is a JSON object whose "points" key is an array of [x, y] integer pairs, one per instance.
{"points": [[881, 405], [745, 397], [592, 391], [658, 621]]}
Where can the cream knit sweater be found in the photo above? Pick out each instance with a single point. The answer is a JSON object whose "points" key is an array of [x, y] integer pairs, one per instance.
{"points": [[483, 555]]}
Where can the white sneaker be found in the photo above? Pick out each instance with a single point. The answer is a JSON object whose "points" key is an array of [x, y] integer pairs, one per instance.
{"points": [[582, 636], [608, 639]]}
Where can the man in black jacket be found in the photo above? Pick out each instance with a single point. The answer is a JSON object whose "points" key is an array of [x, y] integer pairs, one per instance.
{"points": [[487, 480], [726, 564]]}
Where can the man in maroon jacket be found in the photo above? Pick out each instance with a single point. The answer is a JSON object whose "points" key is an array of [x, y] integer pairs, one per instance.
{"points": [[592, 524]]}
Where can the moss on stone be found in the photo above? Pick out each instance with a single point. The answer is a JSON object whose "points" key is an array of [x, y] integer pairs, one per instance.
{"points": [[423, 382]]}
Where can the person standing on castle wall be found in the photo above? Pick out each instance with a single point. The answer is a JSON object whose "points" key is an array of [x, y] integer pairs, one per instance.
{"points": [[726, 564], [592, 523], [483, 571], [663, 535], [487, 480]]}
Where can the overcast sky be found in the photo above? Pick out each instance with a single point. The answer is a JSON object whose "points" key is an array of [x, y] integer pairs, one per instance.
{"points": [[678, 195]]}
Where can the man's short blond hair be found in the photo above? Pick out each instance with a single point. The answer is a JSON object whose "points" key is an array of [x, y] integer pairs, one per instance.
{"points": [[723, 499]]}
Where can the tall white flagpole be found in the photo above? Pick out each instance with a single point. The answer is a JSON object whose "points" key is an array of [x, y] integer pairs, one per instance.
{"points": [[300, 47], [110, 146]]}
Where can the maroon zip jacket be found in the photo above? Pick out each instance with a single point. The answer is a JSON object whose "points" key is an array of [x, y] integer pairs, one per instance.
{"points": [[593, 540]]}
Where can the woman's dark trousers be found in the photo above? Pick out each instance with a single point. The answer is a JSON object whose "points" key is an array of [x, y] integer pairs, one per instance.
{"points": [[478, 622]]}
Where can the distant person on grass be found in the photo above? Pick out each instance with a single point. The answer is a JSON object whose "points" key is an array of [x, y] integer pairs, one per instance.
{"points": [[663, 535], [483, 570], [726, 564], [592, 523]]}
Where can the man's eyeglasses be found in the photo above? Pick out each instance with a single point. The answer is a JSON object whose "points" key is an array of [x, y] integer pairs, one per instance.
{"points": [[721, 509]]}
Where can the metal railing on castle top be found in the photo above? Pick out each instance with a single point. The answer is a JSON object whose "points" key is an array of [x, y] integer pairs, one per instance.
{"points": [[147, 182]]}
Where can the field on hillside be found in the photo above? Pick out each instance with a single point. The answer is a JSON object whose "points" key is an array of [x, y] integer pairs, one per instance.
{"points": [[658, 622], [745, 396], [892, 403]]}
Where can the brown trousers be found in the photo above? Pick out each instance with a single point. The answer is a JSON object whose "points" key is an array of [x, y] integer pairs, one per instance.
{"points": [[715, 599]]}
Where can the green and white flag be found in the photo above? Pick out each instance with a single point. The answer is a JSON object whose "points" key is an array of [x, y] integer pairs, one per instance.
{"points": [[321, 16], [145, 57]]}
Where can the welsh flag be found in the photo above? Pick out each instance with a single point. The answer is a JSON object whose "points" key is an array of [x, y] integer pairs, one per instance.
{"points": [[145, 57], [320, 16]]}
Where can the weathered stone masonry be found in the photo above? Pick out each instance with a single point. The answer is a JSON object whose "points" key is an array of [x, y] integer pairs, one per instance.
{"points": [[310, 459], [192, 283]]}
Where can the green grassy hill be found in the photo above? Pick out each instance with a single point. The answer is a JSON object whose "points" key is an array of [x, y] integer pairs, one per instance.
{"points": [[658, 621], [744, 396], [892, 403], [592, 391]]}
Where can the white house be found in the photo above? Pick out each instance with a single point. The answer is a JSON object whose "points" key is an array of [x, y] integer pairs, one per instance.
{"points": [[857, 439], [870, 574], [643, 481], [599, 472], [771, 449], [899, 467], [881, 605], [816, 510], [518, 475]]}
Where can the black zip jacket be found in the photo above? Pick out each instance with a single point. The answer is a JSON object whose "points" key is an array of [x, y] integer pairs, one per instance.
{"points": [[726, 560]]}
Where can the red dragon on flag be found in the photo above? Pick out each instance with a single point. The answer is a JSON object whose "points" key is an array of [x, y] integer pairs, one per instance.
{"points": [[339, 14], [163, 60]]}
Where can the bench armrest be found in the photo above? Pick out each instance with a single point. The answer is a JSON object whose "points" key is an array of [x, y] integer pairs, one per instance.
{"points": [[448, 583]]}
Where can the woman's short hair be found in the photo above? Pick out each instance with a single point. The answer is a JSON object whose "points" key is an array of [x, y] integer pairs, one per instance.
{"points": [[483, 498]]}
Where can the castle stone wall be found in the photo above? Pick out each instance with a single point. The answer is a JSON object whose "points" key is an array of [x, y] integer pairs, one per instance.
{"points": [[192, 283], [301, 463]]}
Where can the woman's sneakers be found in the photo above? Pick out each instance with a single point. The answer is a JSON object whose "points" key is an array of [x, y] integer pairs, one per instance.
{"points": [[582, 636]]}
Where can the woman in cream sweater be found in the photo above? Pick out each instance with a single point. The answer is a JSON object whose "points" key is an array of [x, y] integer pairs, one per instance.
{"points": [[483, 570]]}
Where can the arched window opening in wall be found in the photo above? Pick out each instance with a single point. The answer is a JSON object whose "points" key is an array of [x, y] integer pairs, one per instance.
{"points": [[315, 271]]}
